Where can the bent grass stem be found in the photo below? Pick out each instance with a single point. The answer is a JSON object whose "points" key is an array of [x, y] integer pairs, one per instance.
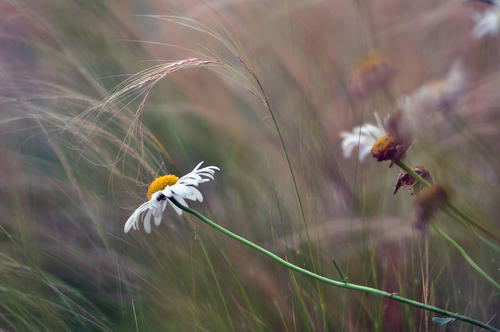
{"points": [[336, 283], [267, 105]]}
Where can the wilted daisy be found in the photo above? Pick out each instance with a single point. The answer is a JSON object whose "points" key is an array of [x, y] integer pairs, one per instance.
{"points": [[373, 71], [363, 137], [440, 94], [167, 187]]}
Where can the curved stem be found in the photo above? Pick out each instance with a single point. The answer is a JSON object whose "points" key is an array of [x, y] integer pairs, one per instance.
{"points": [[455, 213], [465, 255], [341, 284], [449, 206]]}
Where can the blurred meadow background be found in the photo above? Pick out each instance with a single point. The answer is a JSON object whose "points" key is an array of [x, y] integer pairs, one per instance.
{"points": [[79, 144]]}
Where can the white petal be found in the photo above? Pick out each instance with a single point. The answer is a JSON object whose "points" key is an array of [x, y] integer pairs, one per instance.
{"points": [[158, 220], [181, 200], [363, 137], [486, 24], [180, 189], [208, 175], [147, 222], [191, 182], [157, 211], [189, 192], [176, 208], [130, 222], [365, 151], [168, 191], [133, 220], [197, 166], [197, 194]]}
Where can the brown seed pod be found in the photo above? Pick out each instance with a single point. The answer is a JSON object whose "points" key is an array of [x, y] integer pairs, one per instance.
{"points": [[428, 202], [406, 181]]}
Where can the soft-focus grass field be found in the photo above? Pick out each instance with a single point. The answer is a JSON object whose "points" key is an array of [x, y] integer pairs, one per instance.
{"points": [[76, 158]]}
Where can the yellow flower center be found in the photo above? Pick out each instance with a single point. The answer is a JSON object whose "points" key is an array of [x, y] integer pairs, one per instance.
{"points": [[385, 147], [369, 63], [160, 184]]}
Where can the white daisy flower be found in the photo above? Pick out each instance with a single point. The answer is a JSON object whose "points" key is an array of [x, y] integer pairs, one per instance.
{"points": [[487, 23], [363, 137], [440, 94], [162, 189]]}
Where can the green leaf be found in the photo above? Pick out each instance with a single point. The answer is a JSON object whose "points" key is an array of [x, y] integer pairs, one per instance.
{"points": [[443, 321]]}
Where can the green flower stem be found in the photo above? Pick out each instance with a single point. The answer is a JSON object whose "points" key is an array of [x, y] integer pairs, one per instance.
{"points": [[451, 211], [451, 207], [341, 284], [465, 255]]}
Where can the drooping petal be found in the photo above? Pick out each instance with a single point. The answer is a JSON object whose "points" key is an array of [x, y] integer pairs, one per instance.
{"points": [[158, 220], [195, 194], [147, 222], [364, 152], [133, 220], [180, 200], [176, 208], [180, 189], [197, 166], [189, 182], [486, 23], [206, 174], [362, 137]]}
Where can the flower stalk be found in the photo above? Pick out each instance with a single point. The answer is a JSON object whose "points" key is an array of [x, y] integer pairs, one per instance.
{"points": [[456, 214], [342, 284], [450, 209]]}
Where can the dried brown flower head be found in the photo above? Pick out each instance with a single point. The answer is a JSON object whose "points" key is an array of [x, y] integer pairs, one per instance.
{"points": [[428, 202], [373, 71], [406, 181], [389, 147]]}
